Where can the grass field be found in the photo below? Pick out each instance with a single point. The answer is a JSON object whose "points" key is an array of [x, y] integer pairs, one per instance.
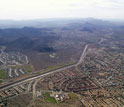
{"points": [[54, 67], [48, 98], [72, 97], [2, 74], [27, 68], [59, 66]]}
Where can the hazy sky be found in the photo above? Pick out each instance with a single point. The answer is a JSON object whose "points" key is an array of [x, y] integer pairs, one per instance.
{"points": [[36, 9]]}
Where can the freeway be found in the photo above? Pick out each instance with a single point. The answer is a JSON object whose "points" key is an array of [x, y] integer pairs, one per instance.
{"points": [[82, 56], [47, 73]]}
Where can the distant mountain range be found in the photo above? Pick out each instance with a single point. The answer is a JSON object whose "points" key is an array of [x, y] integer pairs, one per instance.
{"points": [[51, 22], [27, 39], [38, 35]]}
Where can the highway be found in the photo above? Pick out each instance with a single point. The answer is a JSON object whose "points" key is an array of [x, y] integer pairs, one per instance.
{"points": [[47, 73]]}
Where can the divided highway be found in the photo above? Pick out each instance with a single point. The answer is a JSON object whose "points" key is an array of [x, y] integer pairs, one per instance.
{"points": [[45, 74]]}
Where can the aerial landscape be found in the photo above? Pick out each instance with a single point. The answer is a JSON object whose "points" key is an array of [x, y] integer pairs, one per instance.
{"points": [[73, 61]]}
